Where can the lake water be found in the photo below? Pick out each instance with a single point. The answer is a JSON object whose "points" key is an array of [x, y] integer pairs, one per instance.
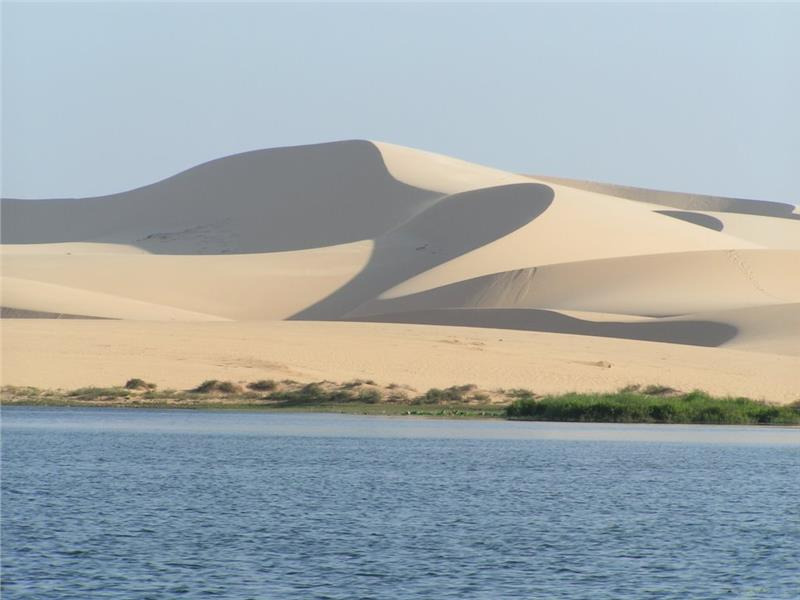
{"points": [[139, 504]]}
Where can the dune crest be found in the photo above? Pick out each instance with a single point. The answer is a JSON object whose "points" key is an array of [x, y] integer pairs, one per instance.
{"points": [[370, 232]]}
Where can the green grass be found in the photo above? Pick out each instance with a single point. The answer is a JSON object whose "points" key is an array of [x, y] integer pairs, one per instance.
{"points": [[637, 407]]}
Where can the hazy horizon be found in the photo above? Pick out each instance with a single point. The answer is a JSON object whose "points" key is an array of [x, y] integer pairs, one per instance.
{"points": [[103, 98]]}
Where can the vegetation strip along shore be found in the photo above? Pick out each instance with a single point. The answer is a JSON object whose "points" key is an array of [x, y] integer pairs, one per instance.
{"points": [[633, 404]]}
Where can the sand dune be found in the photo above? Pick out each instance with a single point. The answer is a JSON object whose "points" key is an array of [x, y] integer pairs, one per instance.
{"points": [[762, 328], [370, 232], [38, 297], [694, 332], [649, 285], [262, 201], [769, 232], [274, 285]]}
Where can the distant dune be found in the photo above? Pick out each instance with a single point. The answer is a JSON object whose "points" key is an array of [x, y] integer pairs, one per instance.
{"points": [[414, 248]]}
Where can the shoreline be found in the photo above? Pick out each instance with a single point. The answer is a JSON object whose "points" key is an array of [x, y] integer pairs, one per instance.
{"points": [[339, 409]]}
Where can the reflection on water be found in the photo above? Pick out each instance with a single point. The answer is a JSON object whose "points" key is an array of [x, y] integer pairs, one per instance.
{"points": [[159, 504]]}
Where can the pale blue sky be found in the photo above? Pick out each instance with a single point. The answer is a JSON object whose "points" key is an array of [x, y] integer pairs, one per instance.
{"points": [[100, 98]]}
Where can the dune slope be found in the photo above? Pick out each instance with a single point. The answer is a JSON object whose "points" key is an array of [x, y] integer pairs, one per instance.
{"points": [[262, 201]]}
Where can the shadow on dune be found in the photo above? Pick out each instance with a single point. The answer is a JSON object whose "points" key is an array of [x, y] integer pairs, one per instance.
{"points": [[21, 313], [654, 285], [453, 226], [694, 333], [700, 219], [681, 200], [262, 201]]}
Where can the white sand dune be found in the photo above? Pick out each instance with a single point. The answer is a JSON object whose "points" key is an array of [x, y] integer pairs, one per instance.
{"points": [[262, 201], [37, 296], [648, 285], [274, 285], [769, 232], [369, 232], [762, 328]]}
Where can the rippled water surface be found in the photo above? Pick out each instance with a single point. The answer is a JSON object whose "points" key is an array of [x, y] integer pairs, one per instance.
{"points": [[165, 504]]}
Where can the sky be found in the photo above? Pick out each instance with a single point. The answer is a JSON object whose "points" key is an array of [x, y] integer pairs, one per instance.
{"points": [[101, 98]]}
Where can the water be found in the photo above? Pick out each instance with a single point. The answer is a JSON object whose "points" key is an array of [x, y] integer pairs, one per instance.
{"points": [[167, 504]]}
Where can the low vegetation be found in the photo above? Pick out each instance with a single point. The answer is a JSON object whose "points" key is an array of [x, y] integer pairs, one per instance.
{"points": [[97, 393], [651, 405], [633, 404], [456, 393], [139, 384], [211, 386], [325, 393], [262, 385]]}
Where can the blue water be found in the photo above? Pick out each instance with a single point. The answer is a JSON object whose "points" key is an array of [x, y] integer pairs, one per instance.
{"points": [[166, 504]]}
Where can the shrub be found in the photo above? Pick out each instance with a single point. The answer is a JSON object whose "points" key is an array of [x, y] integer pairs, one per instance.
{"points": [[312, 391], [463, 389], [432, 396], [209, 385], [213, 385], [358, 382], [455, 393], [139, 384], [519, 393], [262, 385], [315, 393], [228, 387], [398, 397], [369, 396]]}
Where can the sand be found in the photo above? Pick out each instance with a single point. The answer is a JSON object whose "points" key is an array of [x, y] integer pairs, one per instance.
{"points": [[181, 355], [367, 259]]}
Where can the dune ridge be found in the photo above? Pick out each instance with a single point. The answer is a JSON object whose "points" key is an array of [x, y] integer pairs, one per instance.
{"points": [[368, 232]]}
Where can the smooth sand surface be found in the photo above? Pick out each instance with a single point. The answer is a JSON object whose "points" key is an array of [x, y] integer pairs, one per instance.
{"points": [[73, 353], [687, 290], [275, 285], [650, 285]]}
